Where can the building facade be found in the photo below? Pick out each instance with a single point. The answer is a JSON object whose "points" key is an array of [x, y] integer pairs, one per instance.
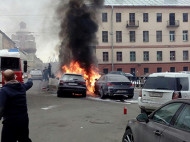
{"points": [[144, 37]]}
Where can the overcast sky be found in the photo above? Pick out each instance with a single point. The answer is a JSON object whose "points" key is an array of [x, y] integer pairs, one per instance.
{"points": [[40, 19]]}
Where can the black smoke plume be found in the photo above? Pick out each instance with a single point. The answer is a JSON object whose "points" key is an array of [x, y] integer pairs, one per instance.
{"points": [[78, 31]]}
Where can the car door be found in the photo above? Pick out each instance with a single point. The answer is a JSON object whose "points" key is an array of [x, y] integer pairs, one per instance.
{"points": [[149, 132], [158, 122], [179, 131], [100, 83]]}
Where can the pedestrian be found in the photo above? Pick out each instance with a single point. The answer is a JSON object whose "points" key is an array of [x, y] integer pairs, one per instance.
{"points": [[45, 74], [13, 108]]}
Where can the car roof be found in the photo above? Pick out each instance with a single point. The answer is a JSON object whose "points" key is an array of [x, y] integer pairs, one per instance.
{"points": [[169, 74], [117, 75]]}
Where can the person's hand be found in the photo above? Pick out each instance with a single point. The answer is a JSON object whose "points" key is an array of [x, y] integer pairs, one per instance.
{"points": [[29, 76]]}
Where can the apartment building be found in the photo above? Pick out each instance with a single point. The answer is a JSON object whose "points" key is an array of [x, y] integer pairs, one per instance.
{"points": [[144, 36]]}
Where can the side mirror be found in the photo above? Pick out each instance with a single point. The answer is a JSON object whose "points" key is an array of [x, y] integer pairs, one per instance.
{"points": [[143, 117], [25, 66]]}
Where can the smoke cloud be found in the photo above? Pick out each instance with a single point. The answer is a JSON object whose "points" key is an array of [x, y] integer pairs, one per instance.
{"points": [[78, 31]]}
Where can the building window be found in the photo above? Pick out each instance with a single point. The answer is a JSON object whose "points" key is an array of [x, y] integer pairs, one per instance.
{"points": [[145, 36], [133, 71], [172, 19], [118, 36], [146, 70], [172, 69], [159, 17], [159, 55], [132, 56], [145, 17], [159, 69], [159, 36], [104, 36], [119, 69], [119, 56], [185, 69], [105, 57], [185, 17], [185, 35], [131, 18], [132, 36], [104, 17], [105, 71], [146, 55], [118, 17], [185, 55], [172, 36], [172, 55]]}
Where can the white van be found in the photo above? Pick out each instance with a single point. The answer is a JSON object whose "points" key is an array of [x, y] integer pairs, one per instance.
{"points": [[160, 88]]}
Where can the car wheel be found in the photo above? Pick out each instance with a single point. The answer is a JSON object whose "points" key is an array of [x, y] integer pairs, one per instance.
{"points": [[59, 93], [84, 94], [102, 95], [128, 136]]}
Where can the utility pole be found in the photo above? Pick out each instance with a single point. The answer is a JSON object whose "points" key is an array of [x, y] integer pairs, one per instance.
{"points": [[112, 38]]}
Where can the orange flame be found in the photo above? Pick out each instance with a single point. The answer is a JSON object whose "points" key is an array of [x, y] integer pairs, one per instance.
{"points": [[90, 77]]}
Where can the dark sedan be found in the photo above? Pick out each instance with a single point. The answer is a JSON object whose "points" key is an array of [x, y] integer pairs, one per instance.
{"points": [[71, 83], [114, 85], [169, 123]]}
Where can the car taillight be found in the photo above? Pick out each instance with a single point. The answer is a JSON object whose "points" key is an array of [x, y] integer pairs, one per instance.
{"points": [[130, 85], [61, 82], [83, 83], [140, 93], [176, 95], [110, 84]]}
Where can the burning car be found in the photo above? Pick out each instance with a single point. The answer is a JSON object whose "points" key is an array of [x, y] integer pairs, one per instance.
{"points": [[71, 83]]}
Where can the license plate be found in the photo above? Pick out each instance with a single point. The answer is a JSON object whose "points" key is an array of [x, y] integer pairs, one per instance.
{"points": [[121, 91], [155, 94], [73, 84]]}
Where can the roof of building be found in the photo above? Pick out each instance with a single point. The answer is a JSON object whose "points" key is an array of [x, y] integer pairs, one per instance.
{"points": [[147, 2], [7, 37]]}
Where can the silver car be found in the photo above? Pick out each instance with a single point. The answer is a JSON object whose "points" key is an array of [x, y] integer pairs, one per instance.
{"points": [[36, 74], [169, 123]]}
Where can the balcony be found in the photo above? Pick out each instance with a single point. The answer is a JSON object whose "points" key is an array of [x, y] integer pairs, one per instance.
{"points": [[173, 23], [132, 24]]}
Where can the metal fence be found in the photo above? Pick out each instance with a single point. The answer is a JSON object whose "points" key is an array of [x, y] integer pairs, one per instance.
{"points": [[138, 82]]}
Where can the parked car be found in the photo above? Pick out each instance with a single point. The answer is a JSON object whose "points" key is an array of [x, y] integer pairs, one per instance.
{"points": [[169, 123], [114, 85], [128, 75], [36, 74], [160, 88], [71, 83]]}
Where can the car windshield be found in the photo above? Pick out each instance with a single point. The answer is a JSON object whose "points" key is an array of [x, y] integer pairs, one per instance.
{"points": [[118, 79], [72, 77], [35, 72]]}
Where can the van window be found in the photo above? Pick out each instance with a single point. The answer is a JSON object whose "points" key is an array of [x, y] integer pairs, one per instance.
{"points": [[184, 83], [167, 83]]}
